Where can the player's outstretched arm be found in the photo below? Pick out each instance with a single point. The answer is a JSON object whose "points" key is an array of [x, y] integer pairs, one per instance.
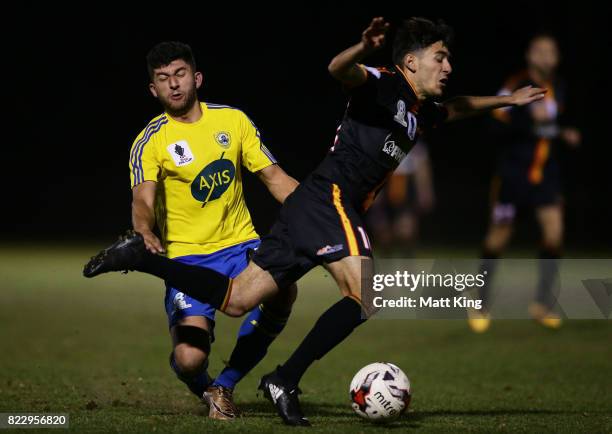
{"points": [[345, 66], [465, 106], [143, 214], [279, 184]]}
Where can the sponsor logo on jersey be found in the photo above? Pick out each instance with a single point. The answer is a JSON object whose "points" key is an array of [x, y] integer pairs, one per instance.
{"points": [[179, 302], [393, 150], [180, 153], [213, 180], [223, 138], [329, 249]]}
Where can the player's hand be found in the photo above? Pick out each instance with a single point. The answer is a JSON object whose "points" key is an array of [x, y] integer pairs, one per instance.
{"points": [[571, 136], [152, 243], [527, 95], [373, 37]]}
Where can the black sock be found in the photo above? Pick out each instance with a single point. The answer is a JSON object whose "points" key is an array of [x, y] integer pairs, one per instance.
{"points": [[548, 290], [488, 264], [331, 328], [203, 284]]}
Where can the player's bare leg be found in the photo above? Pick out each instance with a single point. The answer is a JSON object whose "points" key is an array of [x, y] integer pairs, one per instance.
{"points": [[256, 292], [335, 325], [189, 359], [235, 297], [248, 289], [407, 227], [550, 219], [191, 343], [498, 237], [347, 274], [191, 347], [258, 330]]}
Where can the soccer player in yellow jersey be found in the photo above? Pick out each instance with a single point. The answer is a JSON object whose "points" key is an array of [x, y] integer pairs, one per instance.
{"points": [[185, 173]]}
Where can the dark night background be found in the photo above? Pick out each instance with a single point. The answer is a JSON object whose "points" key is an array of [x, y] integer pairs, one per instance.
{"points": [[77, 97]]}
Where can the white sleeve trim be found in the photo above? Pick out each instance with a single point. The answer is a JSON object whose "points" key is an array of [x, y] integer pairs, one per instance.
{"points": [[375, 72]]}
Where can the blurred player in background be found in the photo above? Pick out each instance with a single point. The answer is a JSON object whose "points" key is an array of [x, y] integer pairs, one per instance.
{"points": [[185, 173], [394, 217], [528, 176]]}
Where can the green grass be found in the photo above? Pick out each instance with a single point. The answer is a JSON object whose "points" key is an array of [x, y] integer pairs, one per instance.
{"points": [[97, 349]]}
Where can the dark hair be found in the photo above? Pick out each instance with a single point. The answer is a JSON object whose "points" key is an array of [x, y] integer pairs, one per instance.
{"points": [[417, 33], [542, 34], [166, 52]]}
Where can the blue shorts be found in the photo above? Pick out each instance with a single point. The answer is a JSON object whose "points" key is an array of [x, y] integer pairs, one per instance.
{"points": [[229, 261]]}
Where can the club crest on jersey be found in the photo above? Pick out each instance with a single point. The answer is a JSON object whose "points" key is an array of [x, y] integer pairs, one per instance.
{"points": [[393, 150], [213, 180], [406, 119], [180, 153], [400, 116], [223, 138]]}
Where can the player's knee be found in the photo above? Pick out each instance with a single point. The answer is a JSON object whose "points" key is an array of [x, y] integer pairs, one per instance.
{"points": [[552, 239], [191, 348], [239, 305], [498, 238], [248, 290], [235, 310], [189, 360], [493, 249]]}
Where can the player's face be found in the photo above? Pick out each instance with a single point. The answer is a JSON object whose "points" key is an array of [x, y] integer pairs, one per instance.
{"points": [[543, 55], [175, 85], [432, 68]]}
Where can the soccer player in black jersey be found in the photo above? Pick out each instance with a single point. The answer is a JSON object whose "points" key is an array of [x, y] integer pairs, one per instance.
{"points": [[528, 176], [320, 223]]}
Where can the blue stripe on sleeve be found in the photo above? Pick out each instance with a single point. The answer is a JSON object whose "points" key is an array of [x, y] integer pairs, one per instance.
{"points": [[137, 144], [268, 154], [139, 148]]}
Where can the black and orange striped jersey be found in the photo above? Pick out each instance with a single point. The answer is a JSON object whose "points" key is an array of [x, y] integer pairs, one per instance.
{"points": [[381, 124], [321, 221], [527, 149]]}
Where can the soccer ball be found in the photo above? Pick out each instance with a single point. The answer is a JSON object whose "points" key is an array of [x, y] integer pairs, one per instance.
{"points": [[380, 392]]}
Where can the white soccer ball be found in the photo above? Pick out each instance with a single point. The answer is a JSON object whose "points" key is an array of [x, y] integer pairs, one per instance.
{"points": [[380, 392]]}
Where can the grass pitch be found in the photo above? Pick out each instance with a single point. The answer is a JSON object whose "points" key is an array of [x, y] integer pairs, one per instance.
{"points": [[98, 350]]}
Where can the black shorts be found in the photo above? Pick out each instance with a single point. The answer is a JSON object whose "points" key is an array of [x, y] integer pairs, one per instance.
{"points": [[511, 192], [316, 225]]}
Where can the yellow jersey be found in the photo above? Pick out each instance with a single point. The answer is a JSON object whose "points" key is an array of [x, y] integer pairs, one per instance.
{"points": [[200, 206]]}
